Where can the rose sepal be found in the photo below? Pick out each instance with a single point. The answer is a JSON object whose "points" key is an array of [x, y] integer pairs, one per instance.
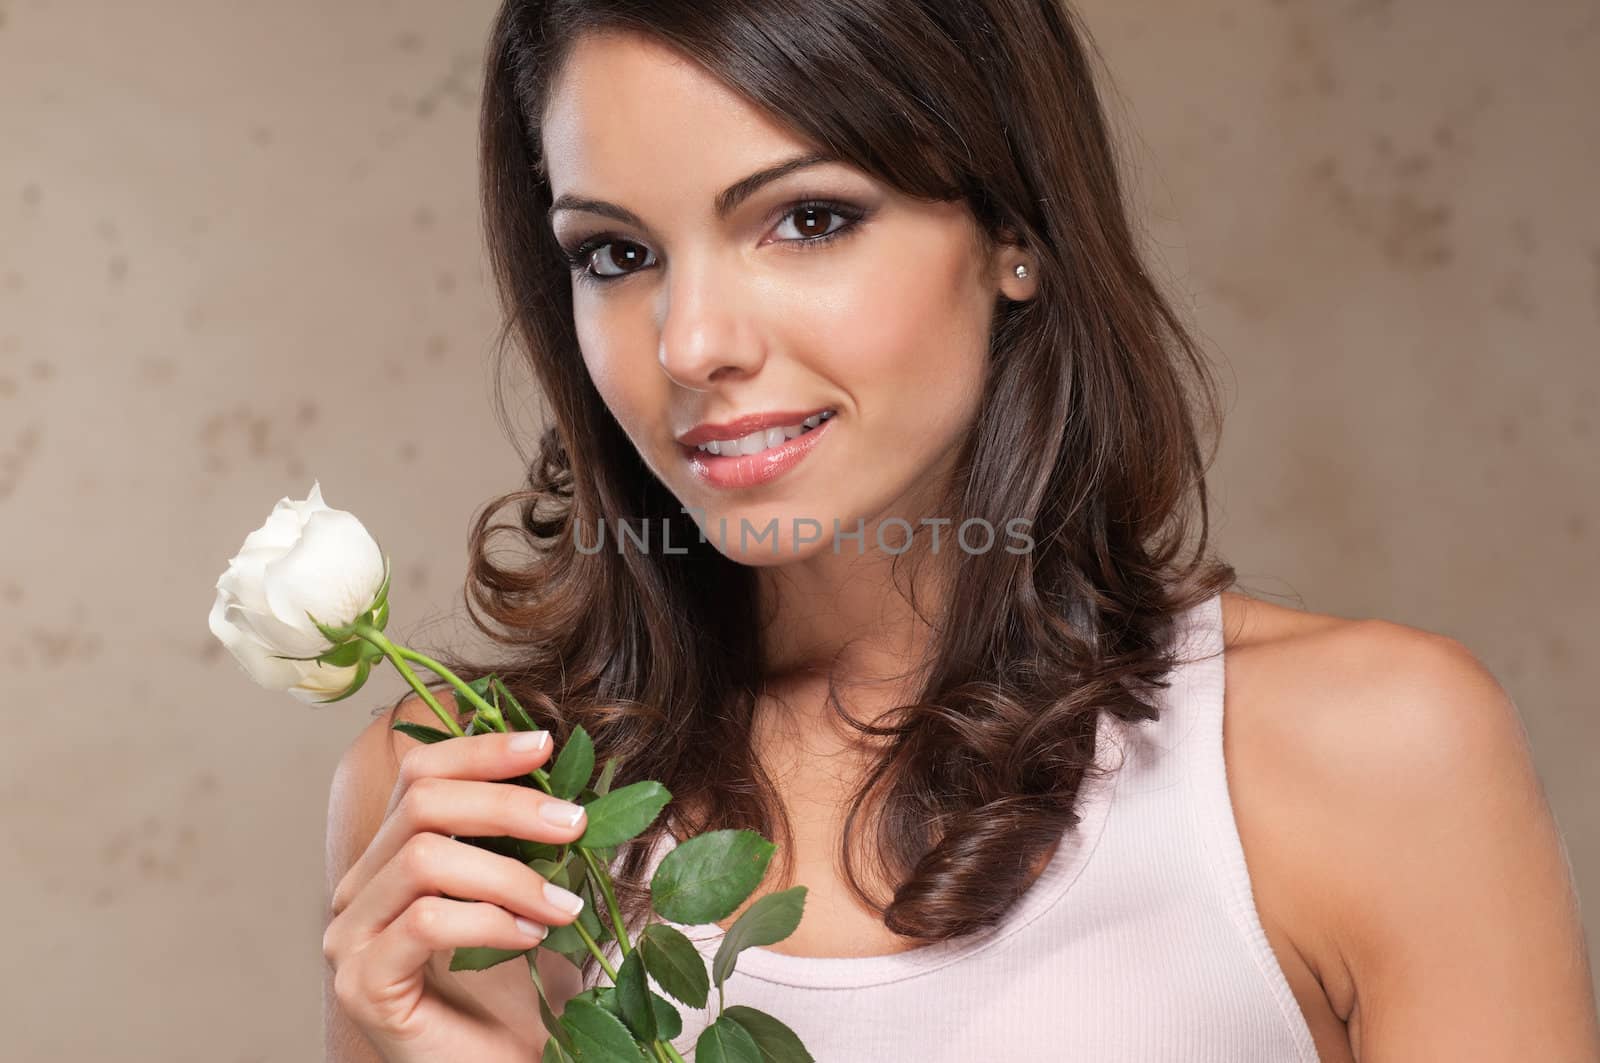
{"points": [[379, 612], [353, 652], [363, 669]]}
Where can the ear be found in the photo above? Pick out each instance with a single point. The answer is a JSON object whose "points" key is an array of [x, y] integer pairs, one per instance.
{"points": [[1008, 255]]}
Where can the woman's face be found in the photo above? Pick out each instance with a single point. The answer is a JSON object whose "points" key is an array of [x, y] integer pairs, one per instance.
{"points": [[819, 290]]}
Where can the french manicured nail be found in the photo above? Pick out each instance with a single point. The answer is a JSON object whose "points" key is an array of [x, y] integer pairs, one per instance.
{"points": [[566, 900], [560, 813], [532, 929], [528, 741]]}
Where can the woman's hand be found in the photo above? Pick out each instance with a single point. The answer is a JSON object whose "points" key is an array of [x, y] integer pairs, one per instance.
{"points": [[389, 918]]}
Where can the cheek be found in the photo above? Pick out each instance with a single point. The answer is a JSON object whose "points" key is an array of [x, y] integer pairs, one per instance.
{"points": [[907, 340], [606, 348]]}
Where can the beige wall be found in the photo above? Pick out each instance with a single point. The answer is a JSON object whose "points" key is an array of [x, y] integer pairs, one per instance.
{"points": [[239, 249]]}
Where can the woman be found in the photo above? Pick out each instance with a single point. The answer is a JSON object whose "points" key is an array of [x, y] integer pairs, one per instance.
{"points": [[808, 286]]}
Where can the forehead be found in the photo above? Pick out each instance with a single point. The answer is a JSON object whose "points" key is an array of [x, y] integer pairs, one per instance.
{"points": [[627, 111]]}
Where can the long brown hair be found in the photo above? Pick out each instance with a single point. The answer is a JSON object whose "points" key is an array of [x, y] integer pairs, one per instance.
{"points": [[1090, 427]]}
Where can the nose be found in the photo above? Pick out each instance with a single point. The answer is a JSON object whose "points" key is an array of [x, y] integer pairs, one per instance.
{"points": [[706, 337]]}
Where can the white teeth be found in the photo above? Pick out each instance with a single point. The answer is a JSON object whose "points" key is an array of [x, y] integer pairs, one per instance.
{"points": [[764, 439]]}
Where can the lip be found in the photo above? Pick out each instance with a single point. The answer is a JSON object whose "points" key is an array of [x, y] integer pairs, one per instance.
{"points": [[706, 431], [753, 470]]}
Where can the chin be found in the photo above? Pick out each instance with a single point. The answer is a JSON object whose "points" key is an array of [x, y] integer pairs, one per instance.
{"points": [[768, 537]]}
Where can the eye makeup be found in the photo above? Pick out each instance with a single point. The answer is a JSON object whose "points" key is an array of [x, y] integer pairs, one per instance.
{"points": [[580, 258]]}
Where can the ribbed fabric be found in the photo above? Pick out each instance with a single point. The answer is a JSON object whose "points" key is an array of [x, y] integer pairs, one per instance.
{"points": [[1139, 942]]}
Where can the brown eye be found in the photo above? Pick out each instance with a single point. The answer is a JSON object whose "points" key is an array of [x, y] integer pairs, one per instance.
{"points": [[620, 253], [813, 221], [809, 224]]}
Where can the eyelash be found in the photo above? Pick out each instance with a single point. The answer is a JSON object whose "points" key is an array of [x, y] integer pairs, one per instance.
{"points": [[578, 257]]}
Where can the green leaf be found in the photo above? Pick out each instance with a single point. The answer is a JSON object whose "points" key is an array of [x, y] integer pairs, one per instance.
{"points": [[519, 849], [479, 687], [518, 716], [422, 732], [529, 851], [547, 1013], [554, 1053], [599, 1036], [603, 995], [574, 765], [633, 997], [778, 1043], [725, 1041], [673, 962], [594, 901], [623, 814], [669, 1024], [769, 920], [565, 940], [602, 785], [554, 871], [707, 877], [477, 958], [576, 871]]}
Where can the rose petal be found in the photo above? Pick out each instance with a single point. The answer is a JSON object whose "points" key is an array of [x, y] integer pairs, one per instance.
{"points": [[242, 580], [275, 636], [323, 681], [252, 656], [334, 572], [285, 523]]}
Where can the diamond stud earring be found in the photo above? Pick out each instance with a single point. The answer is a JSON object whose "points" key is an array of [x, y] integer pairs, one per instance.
{"points": [[1022, 272]]}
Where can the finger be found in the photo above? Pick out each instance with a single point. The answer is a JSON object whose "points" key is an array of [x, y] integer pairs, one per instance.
{"points": [[464, 808], [429, 925], [431, 864], [486, 757], [483, 757]]}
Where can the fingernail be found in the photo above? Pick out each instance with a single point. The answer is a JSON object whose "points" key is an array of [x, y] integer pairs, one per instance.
{"points": [[532, 929], [566, 900], [527, 741], [560, 813]]}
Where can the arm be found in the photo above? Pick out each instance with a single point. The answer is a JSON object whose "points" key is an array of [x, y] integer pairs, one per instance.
{"points": [[1456, 912], [359, 798]]}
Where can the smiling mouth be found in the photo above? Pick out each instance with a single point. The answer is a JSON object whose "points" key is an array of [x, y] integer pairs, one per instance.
{"points": [[764, 439]]}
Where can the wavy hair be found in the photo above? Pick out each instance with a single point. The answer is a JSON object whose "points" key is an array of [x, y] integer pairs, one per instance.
{"points": [[1091, 423]]}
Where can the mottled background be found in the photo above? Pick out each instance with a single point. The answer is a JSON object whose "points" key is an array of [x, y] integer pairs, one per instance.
{"points": [[239, 249]]}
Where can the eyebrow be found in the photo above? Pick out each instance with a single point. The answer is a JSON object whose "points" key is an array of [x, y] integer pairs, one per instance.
{"points": [[729, 198]]}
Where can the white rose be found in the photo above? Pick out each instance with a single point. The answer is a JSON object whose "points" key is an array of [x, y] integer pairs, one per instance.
{"points": [[306, 558]]}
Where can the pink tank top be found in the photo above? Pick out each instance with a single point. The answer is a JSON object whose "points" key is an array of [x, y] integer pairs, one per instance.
{"points": [[1139, 942]]}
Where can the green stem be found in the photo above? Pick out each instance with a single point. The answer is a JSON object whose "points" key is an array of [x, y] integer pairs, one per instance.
{"points": [[672, 1053], [397, 658], [489, 711], [612, 906], [594, 950]]}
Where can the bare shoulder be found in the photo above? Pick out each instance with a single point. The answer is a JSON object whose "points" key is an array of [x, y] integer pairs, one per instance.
{"points": [[1401, 837], [364, 779]]}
